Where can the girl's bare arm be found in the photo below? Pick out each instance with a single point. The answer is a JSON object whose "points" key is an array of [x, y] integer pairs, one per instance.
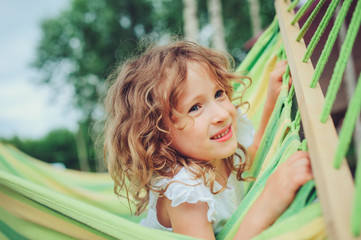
{"points": [[274, 88], [277, 195], [190, 219]]}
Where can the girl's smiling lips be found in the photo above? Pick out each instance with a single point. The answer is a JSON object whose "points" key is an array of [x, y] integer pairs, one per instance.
{"points": [[223, 135]]}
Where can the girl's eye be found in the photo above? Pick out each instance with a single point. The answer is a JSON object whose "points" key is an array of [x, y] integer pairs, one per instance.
{"points": [[194, 108], [219, 93]]}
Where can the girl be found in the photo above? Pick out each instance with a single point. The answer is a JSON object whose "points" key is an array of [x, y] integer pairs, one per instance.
{"points": [[171, 143]]}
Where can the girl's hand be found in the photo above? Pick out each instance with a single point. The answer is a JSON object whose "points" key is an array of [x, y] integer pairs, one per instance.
{"points": [[275, 82], [274, 89], [279, 192], [282, 185]]}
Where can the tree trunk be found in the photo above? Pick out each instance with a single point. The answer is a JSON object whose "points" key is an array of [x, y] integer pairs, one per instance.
{"points": [[191, 27], [82, 150], [255, 17], [216, 20]]}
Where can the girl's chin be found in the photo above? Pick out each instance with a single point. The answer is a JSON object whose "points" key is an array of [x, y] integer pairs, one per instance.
{"points": [[230, 152]]}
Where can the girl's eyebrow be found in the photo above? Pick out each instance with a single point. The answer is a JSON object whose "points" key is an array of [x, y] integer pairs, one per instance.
{"points": [[190, 101]]}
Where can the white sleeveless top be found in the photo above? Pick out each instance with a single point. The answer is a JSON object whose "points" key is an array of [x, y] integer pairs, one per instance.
{"points": [[221, 206]]}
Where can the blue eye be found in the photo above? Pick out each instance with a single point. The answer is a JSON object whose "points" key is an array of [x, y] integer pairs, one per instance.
{"points": [[194, 108], [219, 94]]}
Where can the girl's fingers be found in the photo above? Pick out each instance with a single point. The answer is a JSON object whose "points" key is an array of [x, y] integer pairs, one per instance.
{"points": [[298, 154], [300, 162], [282, 63], [279, 70]]}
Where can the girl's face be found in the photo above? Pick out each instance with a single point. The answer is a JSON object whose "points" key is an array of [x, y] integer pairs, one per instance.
{"points": [[207, 131]]}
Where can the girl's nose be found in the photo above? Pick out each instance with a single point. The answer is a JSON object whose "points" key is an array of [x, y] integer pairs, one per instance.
{"points": [[220, 114]]}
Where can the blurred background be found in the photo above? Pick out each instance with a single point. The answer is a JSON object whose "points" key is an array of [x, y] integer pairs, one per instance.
{"points": [[55, 57]]}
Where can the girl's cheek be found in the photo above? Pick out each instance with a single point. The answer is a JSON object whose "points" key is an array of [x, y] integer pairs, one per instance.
{"points": [[183, 123]]}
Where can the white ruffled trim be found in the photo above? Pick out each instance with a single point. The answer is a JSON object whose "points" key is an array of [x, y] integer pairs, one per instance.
{"points": [[196, 191]]}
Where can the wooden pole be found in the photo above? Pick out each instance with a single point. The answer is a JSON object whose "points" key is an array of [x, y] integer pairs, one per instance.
{"points": [[335, 188]]}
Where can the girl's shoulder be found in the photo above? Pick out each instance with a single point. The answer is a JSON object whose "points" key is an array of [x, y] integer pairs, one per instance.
{"points": [[181, 188], [184, 187]]}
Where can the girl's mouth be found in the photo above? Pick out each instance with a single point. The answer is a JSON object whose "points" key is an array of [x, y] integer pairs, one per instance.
{"points": [[223, 136]]}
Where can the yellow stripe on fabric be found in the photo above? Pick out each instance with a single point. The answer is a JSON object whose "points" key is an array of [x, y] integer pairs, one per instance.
{"points": [[306, 224], [256, 93], [258, 97], [28, 213], [283, 128], [314, 230], [44, 175], [281, 133], [27, 229]]}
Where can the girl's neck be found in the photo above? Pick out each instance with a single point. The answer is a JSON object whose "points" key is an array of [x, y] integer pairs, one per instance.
{"points": [[223, 170]]}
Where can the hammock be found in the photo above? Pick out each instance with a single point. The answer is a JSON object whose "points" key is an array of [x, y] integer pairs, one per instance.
{"points": [[41, 202], [60, 204]]}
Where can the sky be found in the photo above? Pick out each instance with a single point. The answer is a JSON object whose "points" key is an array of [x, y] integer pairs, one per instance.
{"points": [[28, 109]]}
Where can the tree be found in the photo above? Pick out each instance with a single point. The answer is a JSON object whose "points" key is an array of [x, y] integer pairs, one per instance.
{"points": [[216, 20], [191, 29], [255, 17], [79, 45]]}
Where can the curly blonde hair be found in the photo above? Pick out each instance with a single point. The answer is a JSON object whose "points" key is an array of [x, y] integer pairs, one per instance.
{"points": [[143, 93]]}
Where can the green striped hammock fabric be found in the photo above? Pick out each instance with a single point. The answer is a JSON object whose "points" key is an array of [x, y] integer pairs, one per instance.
{"points": [[38, 201]]}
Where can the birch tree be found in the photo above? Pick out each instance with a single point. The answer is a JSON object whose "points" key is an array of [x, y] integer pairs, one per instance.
{"points": [[191, 26], [216, 21], [255, 16]]}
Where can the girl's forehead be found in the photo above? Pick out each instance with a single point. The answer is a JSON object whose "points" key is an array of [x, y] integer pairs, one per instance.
{"points": [[202, 69], [205, 70], [175, 78], [200, 66]]}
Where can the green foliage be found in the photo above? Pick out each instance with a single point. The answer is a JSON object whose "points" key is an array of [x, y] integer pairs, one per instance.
{"points": [[58, 146], [79, 45], [237, 22]]}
